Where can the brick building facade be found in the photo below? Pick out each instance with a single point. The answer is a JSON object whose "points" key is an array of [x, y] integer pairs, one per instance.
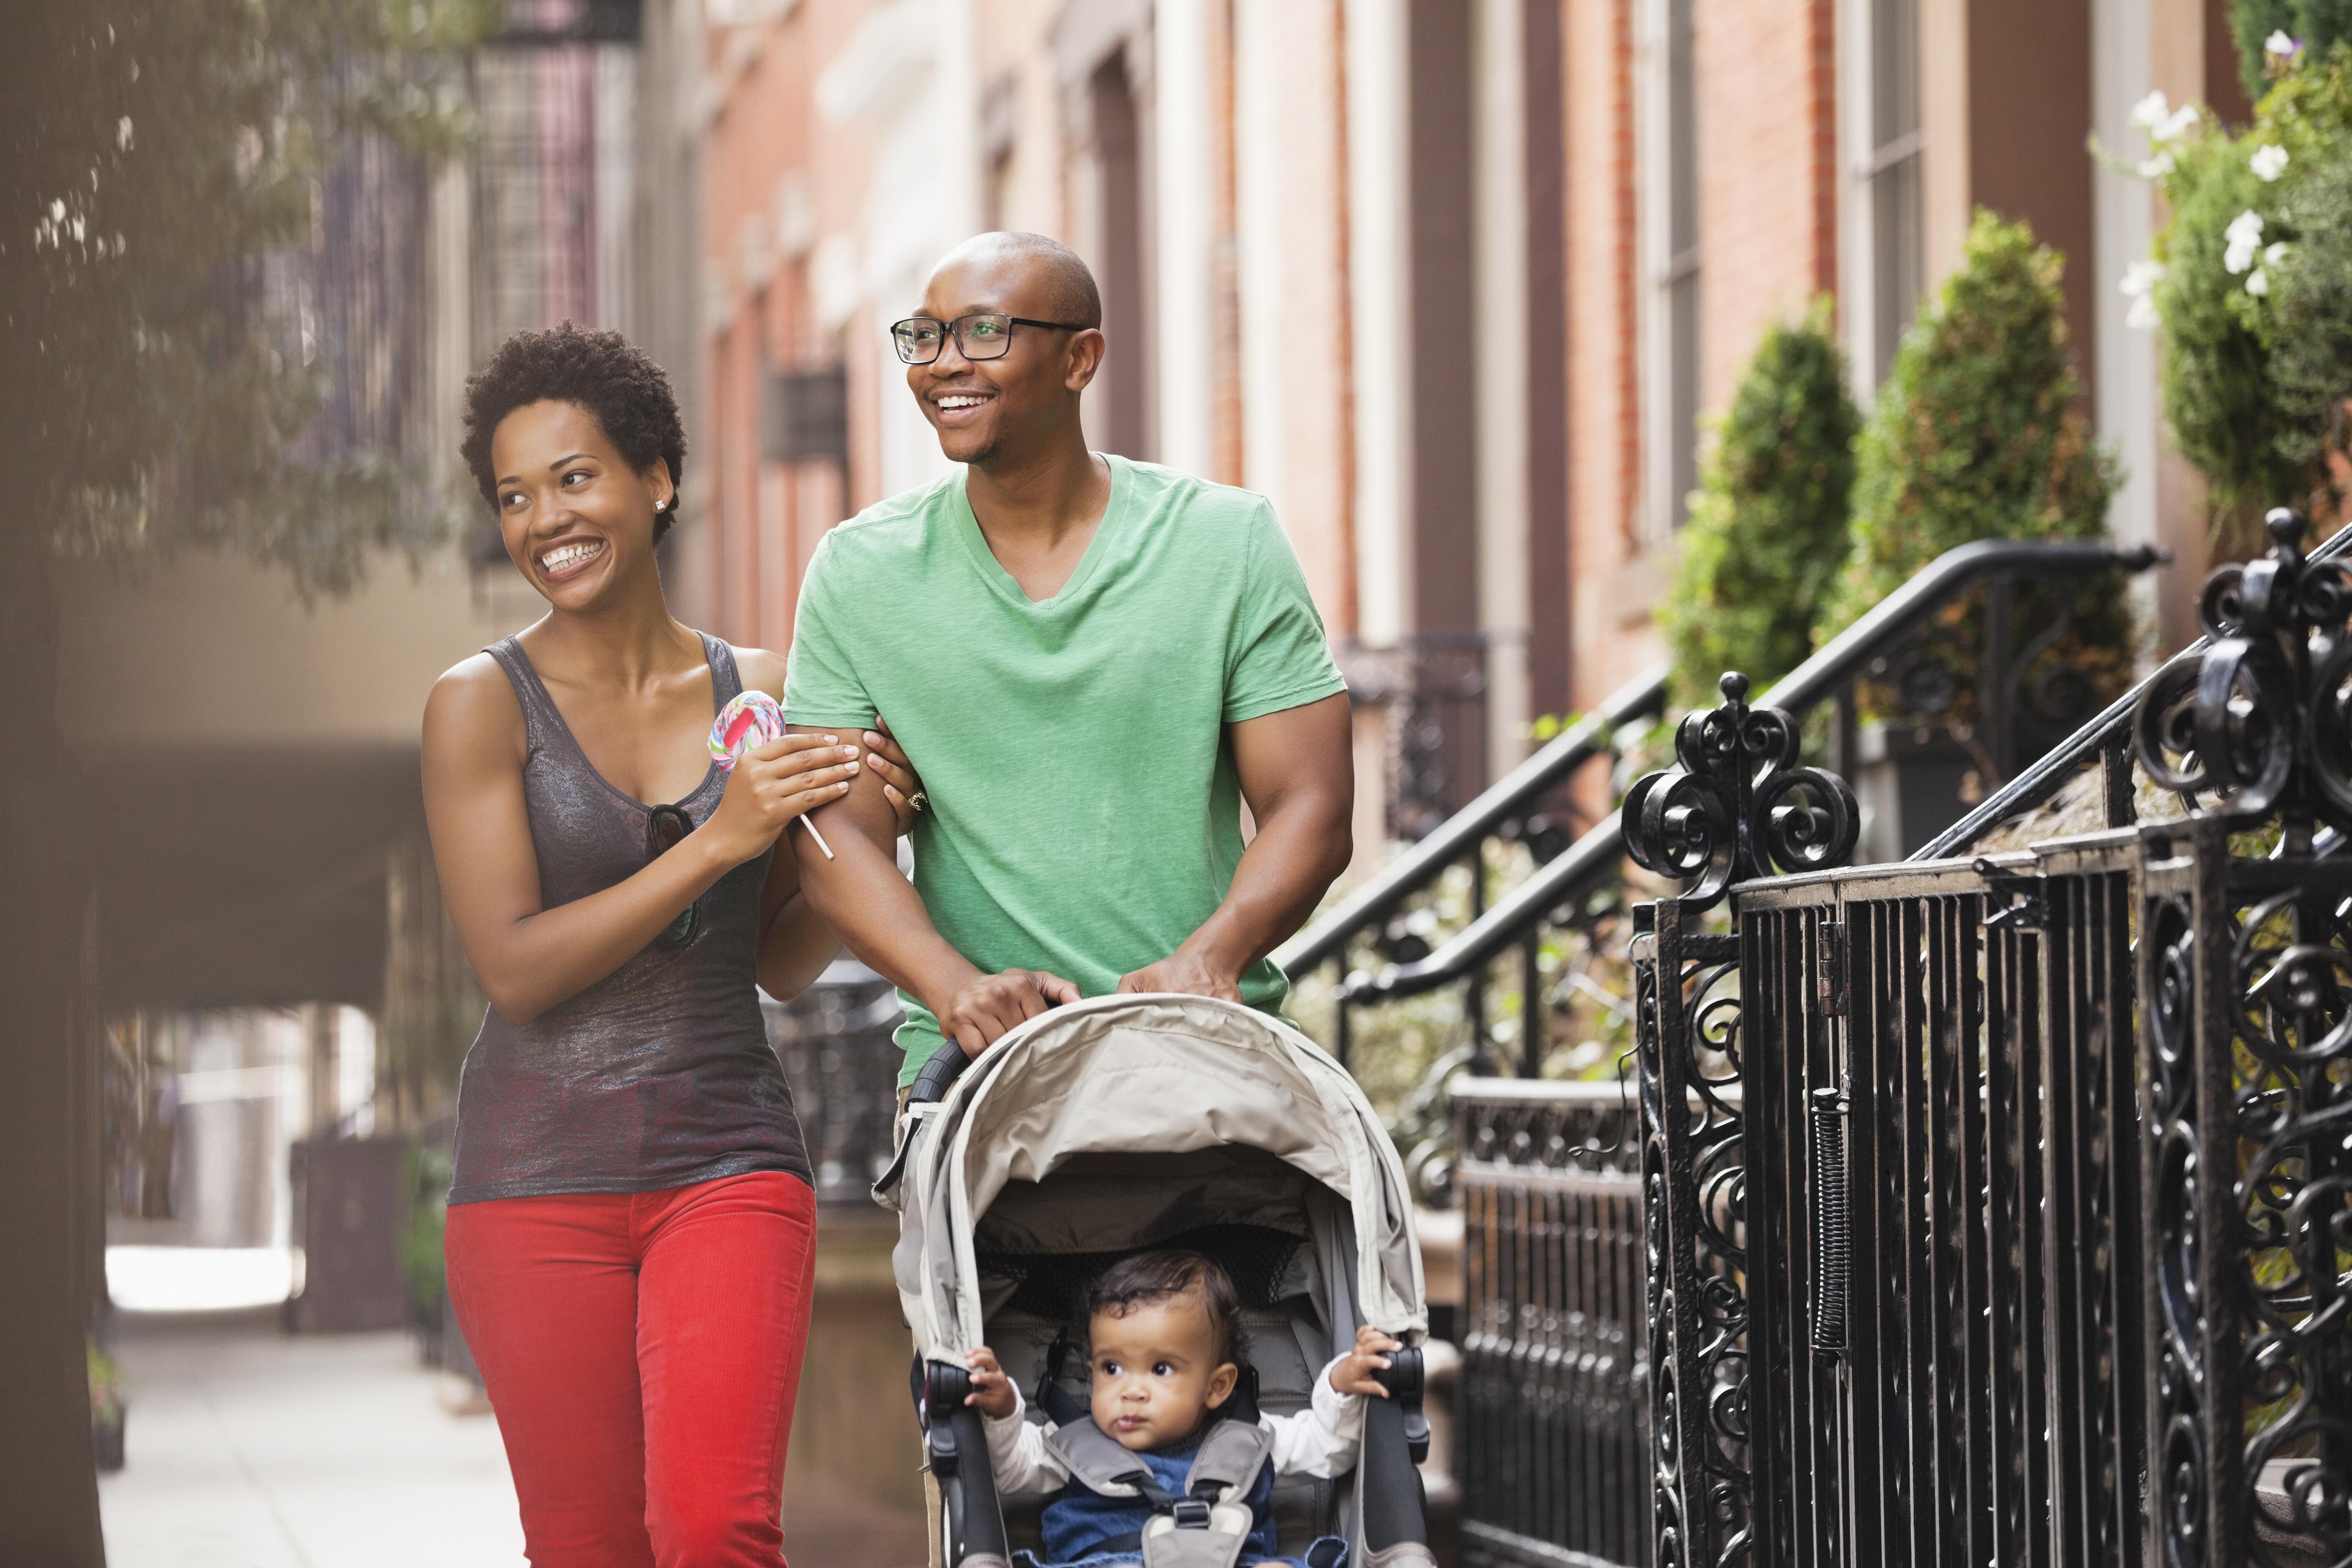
{"points": [[1453, 281]]}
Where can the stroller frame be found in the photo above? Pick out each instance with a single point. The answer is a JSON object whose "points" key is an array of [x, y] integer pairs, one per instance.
{"points": [[1172, 1049]]}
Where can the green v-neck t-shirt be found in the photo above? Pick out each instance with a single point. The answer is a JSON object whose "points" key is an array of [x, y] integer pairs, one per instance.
{"points": [[1085, 814]]}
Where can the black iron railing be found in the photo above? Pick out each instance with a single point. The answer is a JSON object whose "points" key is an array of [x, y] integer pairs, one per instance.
{"points": [[2021, 1241], [2105, 742], [1553, 940], [1552, 1408]]}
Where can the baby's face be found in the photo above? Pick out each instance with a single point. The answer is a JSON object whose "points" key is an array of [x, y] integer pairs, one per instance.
{"points": [[1157, 1372]]}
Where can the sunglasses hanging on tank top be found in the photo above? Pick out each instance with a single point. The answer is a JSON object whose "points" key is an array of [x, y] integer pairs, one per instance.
{"points": [[665, 826]]}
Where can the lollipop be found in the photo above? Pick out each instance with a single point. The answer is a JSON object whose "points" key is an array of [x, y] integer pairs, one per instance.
{"points": [[752, 719]]}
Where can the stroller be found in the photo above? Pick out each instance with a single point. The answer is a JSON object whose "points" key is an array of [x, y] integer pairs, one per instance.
{"points": [[1126, 1122]]}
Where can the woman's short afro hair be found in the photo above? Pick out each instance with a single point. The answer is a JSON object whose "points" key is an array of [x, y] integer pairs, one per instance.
{"points": [[626, 393]]}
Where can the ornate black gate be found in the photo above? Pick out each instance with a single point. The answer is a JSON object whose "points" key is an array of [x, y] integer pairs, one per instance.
{"points": [[1978, 1235]]}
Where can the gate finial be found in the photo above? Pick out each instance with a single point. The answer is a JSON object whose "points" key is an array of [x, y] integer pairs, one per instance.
{"points": [[2262, 716], [1739, 805]]}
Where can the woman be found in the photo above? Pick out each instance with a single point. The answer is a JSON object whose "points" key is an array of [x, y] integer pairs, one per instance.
{"points": [[632, 1226]]}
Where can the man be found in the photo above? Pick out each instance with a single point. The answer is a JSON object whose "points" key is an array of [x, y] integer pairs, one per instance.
{"points": [[1093, 663]]}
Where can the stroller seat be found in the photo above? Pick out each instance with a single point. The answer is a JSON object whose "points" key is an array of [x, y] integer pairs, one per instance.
{"points": [[1274, 1270], [1126, 1123]]}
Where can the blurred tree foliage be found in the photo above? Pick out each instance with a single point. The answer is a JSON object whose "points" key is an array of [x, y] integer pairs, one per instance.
{"points": [[1767, 528], [2257, 327], [153, 153], [1979, 433], [173, 144]]}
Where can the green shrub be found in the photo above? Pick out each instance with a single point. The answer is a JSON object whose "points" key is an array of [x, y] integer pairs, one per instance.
{"points": [[1767, 528], [2316, 25], [2258, 334], [1978, 434], [2311, 302]]}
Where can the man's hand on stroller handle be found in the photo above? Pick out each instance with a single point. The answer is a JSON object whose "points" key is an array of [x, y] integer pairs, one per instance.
{"points": [[1354, 1373], [989, 1005], [992, 1392], [1189, 972]]}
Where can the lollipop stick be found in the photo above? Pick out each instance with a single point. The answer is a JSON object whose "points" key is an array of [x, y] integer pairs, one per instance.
{"points": [[821, 844]]}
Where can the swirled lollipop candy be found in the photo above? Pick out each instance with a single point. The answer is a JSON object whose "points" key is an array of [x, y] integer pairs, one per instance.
{"points": [[752, 719]]}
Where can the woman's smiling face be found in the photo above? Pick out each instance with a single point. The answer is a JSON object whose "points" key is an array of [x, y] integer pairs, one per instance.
{"points": [[575, 517]]}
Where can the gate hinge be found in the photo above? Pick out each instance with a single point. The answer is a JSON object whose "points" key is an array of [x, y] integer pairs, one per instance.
{"points": [[1831, 977]]}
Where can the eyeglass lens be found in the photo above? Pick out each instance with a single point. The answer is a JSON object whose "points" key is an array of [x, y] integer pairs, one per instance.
{"points": [[984, 335]]}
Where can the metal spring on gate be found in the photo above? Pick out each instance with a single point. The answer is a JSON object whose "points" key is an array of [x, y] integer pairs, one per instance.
{"points": [[1832, 1238]]}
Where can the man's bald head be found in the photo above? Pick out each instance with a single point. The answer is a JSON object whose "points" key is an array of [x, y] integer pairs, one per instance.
{"points": [[1064, 287]]}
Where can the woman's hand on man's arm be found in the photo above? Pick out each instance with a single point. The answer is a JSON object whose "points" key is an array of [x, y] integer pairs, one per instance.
{"points": [[528, 957]]}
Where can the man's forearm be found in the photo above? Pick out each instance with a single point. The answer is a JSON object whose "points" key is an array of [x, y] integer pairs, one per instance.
{"points": [[1300, 848]]}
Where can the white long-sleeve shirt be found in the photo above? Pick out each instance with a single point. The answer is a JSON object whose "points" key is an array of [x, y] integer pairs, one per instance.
{"points": [[1320, 1440]]}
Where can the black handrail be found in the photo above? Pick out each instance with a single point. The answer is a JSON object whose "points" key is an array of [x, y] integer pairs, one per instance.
{"points": [[1835, 663], [1642, 697], [2035, 785]]}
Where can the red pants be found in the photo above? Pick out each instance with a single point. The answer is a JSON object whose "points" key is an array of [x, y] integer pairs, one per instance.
{"points": [[642, 1352]]}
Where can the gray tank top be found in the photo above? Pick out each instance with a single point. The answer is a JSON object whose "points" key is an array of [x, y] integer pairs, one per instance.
{"points": [[660, 1074]]}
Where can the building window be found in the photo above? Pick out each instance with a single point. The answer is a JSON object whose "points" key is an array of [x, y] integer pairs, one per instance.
{"points": [[1672, 227], [1886, 264], [1000, 111]]}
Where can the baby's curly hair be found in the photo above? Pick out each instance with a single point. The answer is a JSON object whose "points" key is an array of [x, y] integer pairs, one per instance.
{"points": [[626, 393], [1148, 1278]]}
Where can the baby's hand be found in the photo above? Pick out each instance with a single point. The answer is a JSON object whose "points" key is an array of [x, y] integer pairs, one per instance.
{"points": [[1354, 1375], [991, 1390]]}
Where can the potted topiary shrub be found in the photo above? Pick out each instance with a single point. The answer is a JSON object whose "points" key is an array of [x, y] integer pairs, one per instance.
{"points": [[1979, 434], [1767, 526]]}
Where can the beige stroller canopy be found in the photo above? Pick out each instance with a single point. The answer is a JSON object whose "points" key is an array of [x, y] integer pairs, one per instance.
{"points": [[1141, 1076]]}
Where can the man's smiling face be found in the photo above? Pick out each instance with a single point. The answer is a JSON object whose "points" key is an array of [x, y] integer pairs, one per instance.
{"points": [[981, 407]]}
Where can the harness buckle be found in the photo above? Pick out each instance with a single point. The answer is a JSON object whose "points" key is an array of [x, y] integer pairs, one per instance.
{"points": [[1191, 1513]]}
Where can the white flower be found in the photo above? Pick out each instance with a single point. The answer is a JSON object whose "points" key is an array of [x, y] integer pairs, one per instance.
{"points": [[2246, 238], [2268, 161], [2259, 283], [2156, 168], [2150, 112], [2171, 126], [2279, 47], [2139, 287], [2275, 254]]}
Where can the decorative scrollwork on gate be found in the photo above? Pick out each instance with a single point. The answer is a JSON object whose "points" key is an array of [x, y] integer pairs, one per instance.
{"points": [[1695, 1204], [2179, 1321], [1739, 805], [2263, 716], [2290, 1108], [2247, 1001]]}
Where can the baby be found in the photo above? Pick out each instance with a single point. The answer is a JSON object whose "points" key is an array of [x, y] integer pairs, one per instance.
{"points": [[1164, 1333]]}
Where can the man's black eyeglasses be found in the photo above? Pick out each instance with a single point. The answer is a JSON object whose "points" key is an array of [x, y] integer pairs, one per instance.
{"points": [[983, 334], [665, 826]]}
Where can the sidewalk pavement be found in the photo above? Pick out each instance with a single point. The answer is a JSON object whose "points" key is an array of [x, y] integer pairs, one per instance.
{"points": [[250, 1447]]}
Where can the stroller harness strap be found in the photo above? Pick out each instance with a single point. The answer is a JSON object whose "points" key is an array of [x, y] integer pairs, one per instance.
{"points": [[1208, 1526]]}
